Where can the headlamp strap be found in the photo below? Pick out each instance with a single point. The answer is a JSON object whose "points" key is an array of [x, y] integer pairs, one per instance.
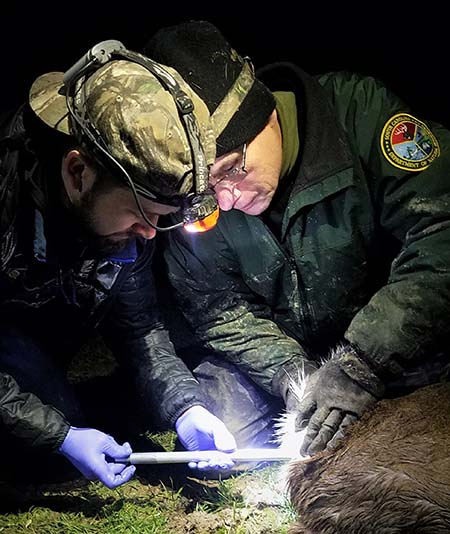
{"points": [[98, 55], [186, 110]]}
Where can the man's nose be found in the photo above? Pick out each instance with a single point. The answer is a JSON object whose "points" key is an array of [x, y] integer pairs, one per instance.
{"points": [[145, 230]]}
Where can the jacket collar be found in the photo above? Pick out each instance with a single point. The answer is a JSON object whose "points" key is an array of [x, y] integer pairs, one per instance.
{"points": [[324, 148]]}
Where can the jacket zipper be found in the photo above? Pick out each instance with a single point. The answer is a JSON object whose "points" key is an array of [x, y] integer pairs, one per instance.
{"points": [[299, 294]]}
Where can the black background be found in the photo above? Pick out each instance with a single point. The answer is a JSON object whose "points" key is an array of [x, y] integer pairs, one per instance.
{"points": [[409, 54]]}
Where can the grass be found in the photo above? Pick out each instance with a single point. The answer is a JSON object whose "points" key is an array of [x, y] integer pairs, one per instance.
{"points": [[146, 506], [158, 500]]}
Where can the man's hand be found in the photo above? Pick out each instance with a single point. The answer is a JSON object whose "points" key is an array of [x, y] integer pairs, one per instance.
{"points": [[94, 453], [333, 400], [199, 429]]}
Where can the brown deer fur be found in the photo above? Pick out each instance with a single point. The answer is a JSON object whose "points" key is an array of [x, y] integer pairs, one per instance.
{"points": [[390, 475]]}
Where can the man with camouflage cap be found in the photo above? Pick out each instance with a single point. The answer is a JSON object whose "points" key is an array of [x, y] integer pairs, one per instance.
{"points": [[87, 167], [333, 240]]}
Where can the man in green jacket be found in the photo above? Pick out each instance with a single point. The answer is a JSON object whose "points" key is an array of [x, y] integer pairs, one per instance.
{"points": [[333, 240]]}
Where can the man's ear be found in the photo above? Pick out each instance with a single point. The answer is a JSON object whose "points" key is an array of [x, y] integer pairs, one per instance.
{"points": [[77, 175]]}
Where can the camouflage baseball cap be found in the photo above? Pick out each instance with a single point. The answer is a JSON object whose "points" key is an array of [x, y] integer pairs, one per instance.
{"points": [[137, 119]]}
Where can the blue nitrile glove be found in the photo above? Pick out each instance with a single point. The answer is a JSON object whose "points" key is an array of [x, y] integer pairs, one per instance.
{"points": [[93, 453], [199, 429]]}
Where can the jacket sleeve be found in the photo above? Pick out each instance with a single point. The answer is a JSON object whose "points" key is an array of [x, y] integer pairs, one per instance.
{"points": [[26, 418], [22, 414], [225, 314], [135, 333], [407, 318]]}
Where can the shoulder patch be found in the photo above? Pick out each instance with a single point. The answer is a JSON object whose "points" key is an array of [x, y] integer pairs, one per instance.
{"points": [[408, 143]]}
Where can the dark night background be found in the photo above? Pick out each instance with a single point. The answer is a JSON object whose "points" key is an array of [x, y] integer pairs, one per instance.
{"points": [[409, 55]]}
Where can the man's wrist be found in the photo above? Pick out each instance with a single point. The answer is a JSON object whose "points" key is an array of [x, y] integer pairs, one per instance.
{"points": [[181, 410], [293, 372], [355, 367]]}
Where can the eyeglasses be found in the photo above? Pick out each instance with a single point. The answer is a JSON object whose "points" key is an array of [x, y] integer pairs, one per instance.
{"points": [[237, 169]]}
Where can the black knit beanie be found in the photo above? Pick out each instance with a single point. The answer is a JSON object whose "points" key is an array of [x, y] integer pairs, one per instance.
{"points": [[206, 61]]}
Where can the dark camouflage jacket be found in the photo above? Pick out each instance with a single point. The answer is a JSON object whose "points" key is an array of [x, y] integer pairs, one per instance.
{"points": [[364, 253], [115, 294]]}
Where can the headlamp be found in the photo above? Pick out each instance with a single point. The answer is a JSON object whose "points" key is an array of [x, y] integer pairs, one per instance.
{"points": [[203, 225], [199, 211], [202, 212]]}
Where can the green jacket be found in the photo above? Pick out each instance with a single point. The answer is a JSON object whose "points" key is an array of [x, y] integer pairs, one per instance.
{"points": [[364, 254]]}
